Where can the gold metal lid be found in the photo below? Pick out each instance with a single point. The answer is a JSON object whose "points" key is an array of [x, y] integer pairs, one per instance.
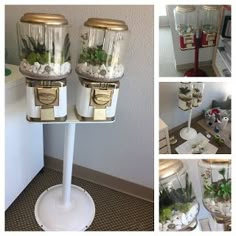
{"points": [[210, 7], [110, 24], [185, 8], [217, 161], [169, 167], [44, 18]]}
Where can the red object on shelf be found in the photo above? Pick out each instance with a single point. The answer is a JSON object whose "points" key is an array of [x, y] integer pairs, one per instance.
{"points": [[187, 41], [208, 39], [227, 7], [196, 72]]}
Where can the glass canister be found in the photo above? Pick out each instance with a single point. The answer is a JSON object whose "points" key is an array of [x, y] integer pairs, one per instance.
{"points": [[198, 88], [102, 43], [186, 25], [216, 188], [178, 207], [209, 20], [185, 95], [44, 46]]}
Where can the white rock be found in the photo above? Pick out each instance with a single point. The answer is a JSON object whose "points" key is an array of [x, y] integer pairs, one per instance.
{"points": [[226, 209], [178, 227], [103, 67], [65, 68], [183, 219], [35, 69], [52, 73], [160, 226], [177, 222], [165, 227], [57, 69], [41, 69], [95, 69], [212, 202], [37, 65]]}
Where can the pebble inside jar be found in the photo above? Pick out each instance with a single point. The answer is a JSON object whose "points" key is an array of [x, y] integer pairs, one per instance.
{"points": [[44, 46], [178, 207], [103, 44]]}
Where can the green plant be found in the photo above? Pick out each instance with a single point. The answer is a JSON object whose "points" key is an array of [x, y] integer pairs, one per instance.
{"points": [[221, 190], [182, 207], [183, 195], [176, 199], [34, 51], [95, 56], [165, 214], [184, 90]]}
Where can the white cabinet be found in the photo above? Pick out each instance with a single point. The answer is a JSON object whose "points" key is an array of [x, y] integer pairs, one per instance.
{"points": [[23, 140], [164, 142]]}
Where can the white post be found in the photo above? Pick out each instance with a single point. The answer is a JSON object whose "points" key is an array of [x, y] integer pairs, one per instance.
{"points": [[69, 141], [189, 119]]}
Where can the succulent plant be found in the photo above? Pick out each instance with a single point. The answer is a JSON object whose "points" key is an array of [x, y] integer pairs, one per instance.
{"points": [[221, 189], [34, 51], [95, 56], [184, 90]]}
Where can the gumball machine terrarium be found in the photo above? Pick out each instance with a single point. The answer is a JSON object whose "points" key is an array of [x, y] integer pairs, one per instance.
{"points": [[198, 88], [196, 29], [178, 207], [216, 189], [209, 19], [45, 61], [100, 68], [186, 25], [185, 96]]}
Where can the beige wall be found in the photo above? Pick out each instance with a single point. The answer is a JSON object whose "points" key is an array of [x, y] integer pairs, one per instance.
{"points": [[123, 149]]}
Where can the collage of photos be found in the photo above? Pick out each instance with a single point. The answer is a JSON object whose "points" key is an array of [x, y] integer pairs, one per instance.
{"points": [[117, 117], [195, 118]]}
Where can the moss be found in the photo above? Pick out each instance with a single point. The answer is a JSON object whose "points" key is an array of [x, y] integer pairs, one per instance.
{"points": [[165, 214]]}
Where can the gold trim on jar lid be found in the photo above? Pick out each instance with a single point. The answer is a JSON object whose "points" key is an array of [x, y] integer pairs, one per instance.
{"points": [[169, 167], [44, 18], [110, 24], [210, 7], [217, 161], [185, 8]]}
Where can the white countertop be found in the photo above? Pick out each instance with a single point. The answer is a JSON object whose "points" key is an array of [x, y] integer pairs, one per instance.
{"points": [[15, 78]]}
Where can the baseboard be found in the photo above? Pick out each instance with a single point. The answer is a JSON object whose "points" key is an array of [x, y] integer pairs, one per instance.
{"points": [[106, 180], [171, 131], [191, 65]]}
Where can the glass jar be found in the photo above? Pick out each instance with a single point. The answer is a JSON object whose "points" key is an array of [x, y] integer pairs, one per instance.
{"points": [[102, 43], [44, 46], [178, 207], [185, 96], [209, 20], [198, 88], [216, 187], [186, 25]]}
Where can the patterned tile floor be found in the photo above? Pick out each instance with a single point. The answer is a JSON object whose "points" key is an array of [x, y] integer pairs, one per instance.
{"points": [[115, 211]]}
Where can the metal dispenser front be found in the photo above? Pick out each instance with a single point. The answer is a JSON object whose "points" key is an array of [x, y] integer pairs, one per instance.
{"points": [[100, 68], [45, 61]]}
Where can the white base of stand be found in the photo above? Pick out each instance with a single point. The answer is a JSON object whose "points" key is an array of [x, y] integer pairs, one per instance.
{"points": [[188, 133], [52, 214]]}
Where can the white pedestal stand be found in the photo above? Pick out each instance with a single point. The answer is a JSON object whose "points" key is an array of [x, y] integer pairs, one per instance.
{"points": [[65, 207], [188, 133]]}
